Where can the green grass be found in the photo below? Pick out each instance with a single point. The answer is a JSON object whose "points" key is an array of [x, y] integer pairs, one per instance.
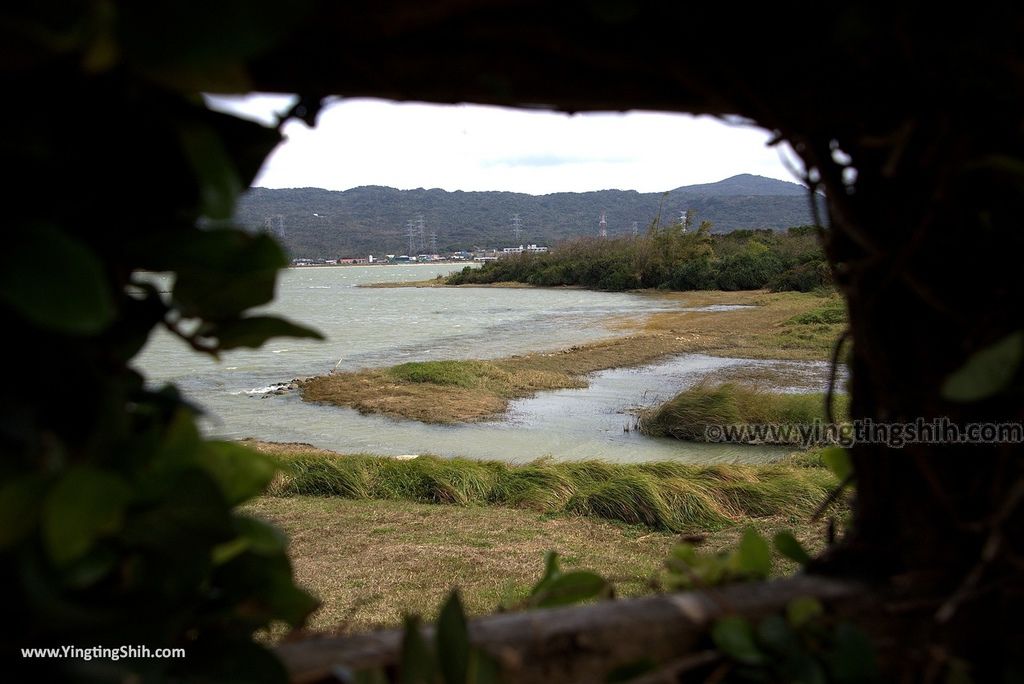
{"points": [[817, 329], [689, 413], [669, 496], [832, 311], [467, 374]]}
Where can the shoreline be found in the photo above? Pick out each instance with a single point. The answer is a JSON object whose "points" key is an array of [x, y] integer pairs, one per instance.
{"points": [[452, 392], [440, 282]]}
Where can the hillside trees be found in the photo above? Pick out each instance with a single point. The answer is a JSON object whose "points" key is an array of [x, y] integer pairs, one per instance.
{"points": [[666, 257]]}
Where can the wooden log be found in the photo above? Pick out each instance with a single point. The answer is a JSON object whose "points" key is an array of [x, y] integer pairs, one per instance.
{"points": [[578, 643]]}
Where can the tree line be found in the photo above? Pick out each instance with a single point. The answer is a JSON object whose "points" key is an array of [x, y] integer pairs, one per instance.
{"points": [[671, 258]]}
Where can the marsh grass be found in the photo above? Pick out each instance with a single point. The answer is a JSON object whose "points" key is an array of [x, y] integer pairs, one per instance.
{"points": [[666, 496], [469, 390], [688, 414]]}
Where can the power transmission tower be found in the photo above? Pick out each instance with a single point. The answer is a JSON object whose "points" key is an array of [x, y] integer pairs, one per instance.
{"points": [[604, 227], [433, 242], [410, 231], [636, 228], [422, 231], [517, 226]]}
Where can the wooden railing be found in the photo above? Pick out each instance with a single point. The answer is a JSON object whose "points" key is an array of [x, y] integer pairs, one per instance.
{"points": [[583, 643]]}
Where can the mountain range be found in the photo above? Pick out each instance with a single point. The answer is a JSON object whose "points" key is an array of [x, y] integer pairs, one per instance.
{"points": [[312, 222]]}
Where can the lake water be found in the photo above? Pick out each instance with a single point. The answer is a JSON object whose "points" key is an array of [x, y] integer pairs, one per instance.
{"points": [[367, 327]]}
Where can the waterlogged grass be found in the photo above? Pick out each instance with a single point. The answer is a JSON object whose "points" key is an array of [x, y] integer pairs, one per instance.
{"points": [[667, 496], [690, 413]]}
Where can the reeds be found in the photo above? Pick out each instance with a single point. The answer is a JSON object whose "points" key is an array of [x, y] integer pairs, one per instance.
{"points": [[689, 414], [664, 496]]}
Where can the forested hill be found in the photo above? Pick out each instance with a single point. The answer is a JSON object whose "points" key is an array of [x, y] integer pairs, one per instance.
{"points": [[372, 219]]}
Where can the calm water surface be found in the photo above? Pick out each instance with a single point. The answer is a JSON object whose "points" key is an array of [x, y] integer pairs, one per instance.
{"points": [[367, 327]]}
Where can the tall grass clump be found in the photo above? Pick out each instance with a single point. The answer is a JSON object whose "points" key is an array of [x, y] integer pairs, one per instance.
{"points": [[429, 479], [319, 476], [631, 497], [539, 486], [665, 495], [688, 415]]}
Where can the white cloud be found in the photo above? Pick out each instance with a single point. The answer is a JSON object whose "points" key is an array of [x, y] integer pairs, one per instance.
{"points": [[471, 147]]}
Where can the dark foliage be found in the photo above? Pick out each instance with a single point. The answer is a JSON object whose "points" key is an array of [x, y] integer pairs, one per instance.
{"points": [[668, 258], [117, 519]]}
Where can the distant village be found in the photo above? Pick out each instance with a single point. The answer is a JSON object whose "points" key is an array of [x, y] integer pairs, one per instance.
{"points": [[480, 255]]}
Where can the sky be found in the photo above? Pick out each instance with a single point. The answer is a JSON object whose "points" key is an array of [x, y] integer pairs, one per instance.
{"points": [[474, 147]]}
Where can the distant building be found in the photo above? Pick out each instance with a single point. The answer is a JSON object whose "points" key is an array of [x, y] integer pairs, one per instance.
{"points": [[533, 249]]}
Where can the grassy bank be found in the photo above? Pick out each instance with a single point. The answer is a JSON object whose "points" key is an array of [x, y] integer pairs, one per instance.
{"points": [[370, 562], [689, 414], [460, 391], [669, 496], [367, 536]]}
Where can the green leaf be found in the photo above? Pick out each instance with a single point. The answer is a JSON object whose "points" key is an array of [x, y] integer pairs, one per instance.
{"points": [[241, 473], [90, 568], [221, 273], [215, 172], [483, 669], [417, 665], [734, 637], [852, 658], [181, 440], [837, 459], [551, 572], [263, 538], [265, 586], [570, 588], [453, 641], [788, 546], [753, 556], [803, 610], [83, 506], [774, 633], [986, 372], [55, 281], [255, 330], [255, 536], [20, 501], [551, 567]]}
